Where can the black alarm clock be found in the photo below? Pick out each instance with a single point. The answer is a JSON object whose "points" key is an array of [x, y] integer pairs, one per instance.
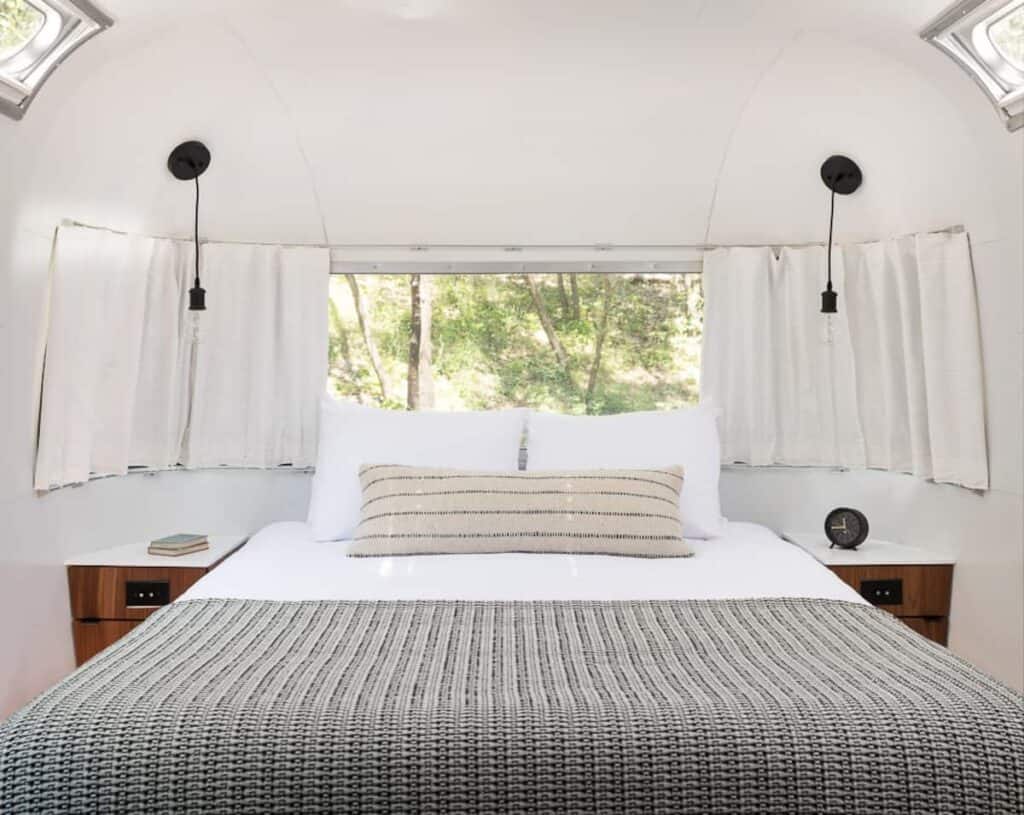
{"points": [[846, 528]]}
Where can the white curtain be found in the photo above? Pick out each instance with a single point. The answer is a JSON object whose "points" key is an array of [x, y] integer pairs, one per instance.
{"points": [[893, 381], [116, 360], [124, 384], [261, 362]]}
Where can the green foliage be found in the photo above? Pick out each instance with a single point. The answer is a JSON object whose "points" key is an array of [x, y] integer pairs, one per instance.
{"points": [[19, 21], [490, 348]]}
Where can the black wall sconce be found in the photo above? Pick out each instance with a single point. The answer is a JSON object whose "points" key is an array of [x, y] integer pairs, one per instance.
{"points": [[843, 176], [187, 162]]}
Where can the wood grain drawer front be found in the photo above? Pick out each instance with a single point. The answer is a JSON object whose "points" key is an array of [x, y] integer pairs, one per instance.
{"points": [[93, 636], [926, 589], [934, 628], [98, 592]]}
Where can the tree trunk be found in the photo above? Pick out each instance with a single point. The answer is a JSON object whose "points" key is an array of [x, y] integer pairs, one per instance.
{"points": [[364, 326], [426, 343], [602, 332], [412, 392], [420, 391], [549, 330], [344, 350], [563, 296], [575, 296]]}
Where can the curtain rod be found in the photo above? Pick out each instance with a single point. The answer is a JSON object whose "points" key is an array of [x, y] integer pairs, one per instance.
{"points": [[514, 248], [612, 247]]}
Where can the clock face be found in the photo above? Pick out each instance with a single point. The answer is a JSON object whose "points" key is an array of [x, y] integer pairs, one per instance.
{"points": [[846, 528]]}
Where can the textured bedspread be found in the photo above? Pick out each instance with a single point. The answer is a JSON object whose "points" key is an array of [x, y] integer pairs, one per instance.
{"points": [[754, 706]]}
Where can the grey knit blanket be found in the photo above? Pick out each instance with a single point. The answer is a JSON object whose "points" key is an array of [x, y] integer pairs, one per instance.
{"points": [[755, 706]]}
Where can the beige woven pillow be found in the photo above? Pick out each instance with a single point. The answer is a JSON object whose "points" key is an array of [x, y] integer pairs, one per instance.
{"points": [[423, 510]]}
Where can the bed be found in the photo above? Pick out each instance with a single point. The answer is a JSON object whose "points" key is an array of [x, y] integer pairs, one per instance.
{"points": [[294, 678]]}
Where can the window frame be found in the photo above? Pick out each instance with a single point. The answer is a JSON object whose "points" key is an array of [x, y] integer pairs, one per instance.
{"points": [[67, 25], [962, 32]]}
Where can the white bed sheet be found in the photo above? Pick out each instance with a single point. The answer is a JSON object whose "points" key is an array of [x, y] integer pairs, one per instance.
{"points": [[283, 562]]}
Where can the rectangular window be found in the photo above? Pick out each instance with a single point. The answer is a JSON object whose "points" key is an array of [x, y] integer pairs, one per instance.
{"points": [[593, 343]]}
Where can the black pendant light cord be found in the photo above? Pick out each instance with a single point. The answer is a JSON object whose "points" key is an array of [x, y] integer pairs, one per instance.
{"points": [[187, 162], [197, 231], [197, 294], [841, 175], [831, 222]]}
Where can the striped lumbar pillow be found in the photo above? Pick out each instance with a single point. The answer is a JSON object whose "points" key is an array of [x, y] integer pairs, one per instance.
{"points": [[424, 510]]}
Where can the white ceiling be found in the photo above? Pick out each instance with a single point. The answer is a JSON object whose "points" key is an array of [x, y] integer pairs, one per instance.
{"points": [[394, 121]]}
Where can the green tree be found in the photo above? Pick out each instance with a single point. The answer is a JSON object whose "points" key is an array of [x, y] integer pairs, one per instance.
{"points": [[574, 343]]}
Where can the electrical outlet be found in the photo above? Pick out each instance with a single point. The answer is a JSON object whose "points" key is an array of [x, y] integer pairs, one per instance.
{"points": [[147, 593], [882, 592]]}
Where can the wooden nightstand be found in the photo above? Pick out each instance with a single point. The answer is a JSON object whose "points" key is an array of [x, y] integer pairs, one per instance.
{"points": [[913, 584], [113, 590]]}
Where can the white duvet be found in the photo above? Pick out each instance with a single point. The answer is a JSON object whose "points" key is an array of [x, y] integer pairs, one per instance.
{"points": [[283, 562]]}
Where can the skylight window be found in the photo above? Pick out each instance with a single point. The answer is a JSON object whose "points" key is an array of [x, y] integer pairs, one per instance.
{"points": [[35, 37], [20, 22], [1007, 35], [986, 37]]}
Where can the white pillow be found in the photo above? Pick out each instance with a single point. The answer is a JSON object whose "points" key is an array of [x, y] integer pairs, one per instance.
{"points": [[352, 435], [688, 436]]}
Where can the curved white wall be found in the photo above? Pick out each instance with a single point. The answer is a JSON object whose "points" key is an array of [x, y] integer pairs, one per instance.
{"points": [[573, 125]]}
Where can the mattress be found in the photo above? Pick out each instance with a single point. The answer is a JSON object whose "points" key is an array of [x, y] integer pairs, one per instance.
{"points": [[283, 562]]}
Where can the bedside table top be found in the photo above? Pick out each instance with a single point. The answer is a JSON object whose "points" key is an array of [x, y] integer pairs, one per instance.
{"points": [[135, 554], [872, 552]]}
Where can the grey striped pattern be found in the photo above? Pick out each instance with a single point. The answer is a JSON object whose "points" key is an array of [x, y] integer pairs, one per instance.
{"points": [[424, 510], [730, 707]]}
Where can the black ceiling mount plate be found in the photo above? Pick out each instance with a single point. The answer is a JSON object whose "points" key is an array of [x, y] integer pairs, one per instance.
{"points": [[188, 160], [841, 174]]}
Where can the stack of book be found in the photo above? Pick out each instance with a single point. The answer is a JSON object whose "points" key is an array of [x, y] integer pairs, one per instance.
{"points": [[181, 544]]}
